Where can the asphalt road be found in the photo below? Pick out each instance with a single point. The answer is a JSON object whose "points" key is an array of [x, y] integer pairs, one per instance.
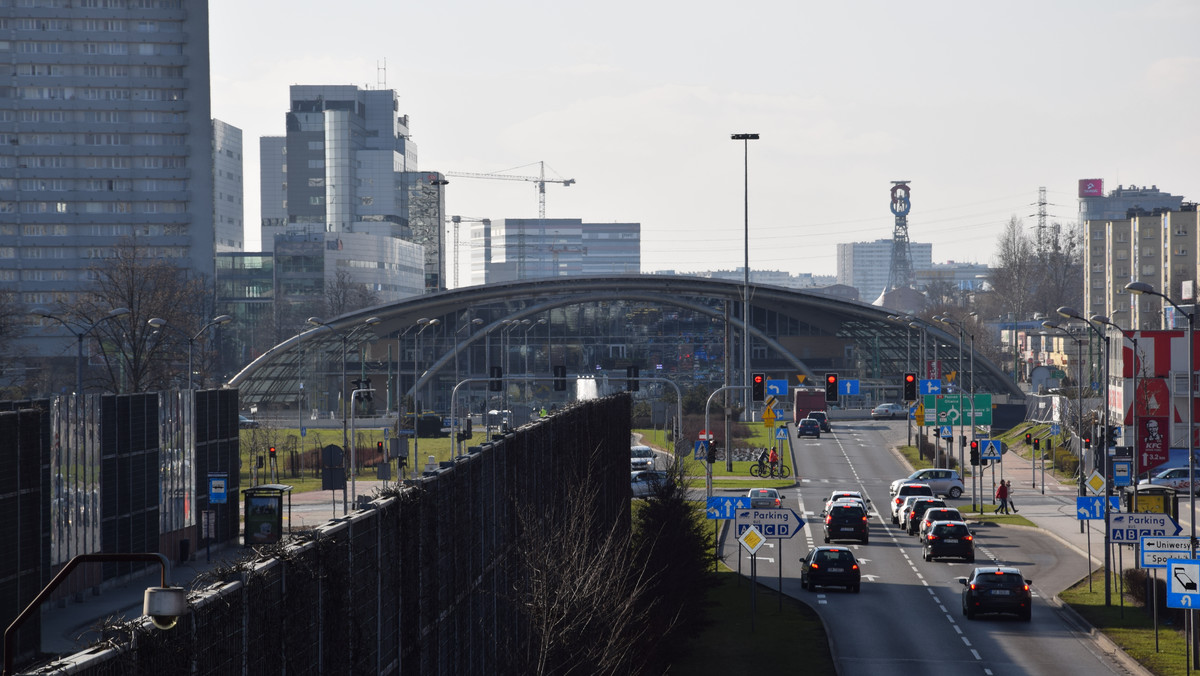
{"points": [[907, 618]]}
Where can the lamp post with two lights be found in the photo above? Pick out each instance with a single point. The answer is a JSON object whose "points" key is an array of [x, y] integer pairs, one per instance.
{"points": [[160, 323]]}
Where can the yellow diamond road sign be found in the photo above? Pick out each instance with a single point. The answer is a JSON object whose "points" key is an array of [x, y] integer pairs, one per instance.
{"points": [[1096, 482], [752, 539]]}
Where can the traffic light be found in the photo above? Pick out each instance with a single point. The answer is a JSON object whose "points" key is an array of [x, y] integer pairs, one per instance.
{"points": [[367, 396], [1049, 442], [560, 378], [354, 394], [974, 452], [1028, 439], [831, 388], [271, 450], [463, 435], [758, 385], [496, 384], [1087, 440], [631, 375], [379, 447], [1037, 444], [910, 387]]}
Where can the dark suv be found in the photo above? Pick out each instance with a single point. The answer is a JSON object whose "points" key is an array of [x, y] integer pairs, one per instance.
{"points": [[949, 538], [912, 518], [996, 589], [846, 521], [830, 566]]}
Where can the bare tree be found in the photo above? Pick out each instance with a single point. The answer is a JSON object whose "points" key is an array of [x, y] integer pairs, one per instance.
{"points": [[137, 356], [1013, 279], [1060, 268], [11, 327], [343, 295]]}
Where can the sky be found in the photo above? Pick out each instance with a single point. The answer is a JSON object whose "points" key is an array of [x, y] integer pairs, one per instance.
{"points": [[977, 105]]}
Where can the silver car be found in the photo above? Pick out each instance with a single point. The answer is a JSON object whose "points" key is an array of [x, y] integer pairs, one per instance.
{"points": [[641, 457], [943, 482]]}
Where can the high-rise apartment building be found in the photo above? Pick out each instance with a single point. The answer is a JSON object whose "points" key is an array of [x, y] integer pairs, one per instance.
{"points": [[228, 204], [105, 134], [528, 248], [867, 265]]}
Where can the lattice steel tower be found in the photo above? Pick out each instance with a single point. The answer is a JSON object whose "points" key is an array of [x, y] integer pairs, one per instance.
{"points": [[901, 275]]}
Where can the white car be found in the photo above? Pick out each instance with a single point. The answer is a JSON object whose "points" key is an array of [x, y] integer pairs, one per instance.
{"points": [[905, 491], [645, 483], [846, 495], [889, 412], [641, 457], [1176, 477]]}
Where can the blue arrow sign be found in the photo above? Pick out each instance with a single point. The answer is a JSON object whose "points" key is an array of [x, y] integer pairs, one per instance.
{"points": [[726, 507], [1091, 507], [1183, 583], [1056, 429], [931, 387], [781, 433], [700, 450], [991, 449], [849, 386], [779, 388], [1131, 528]]}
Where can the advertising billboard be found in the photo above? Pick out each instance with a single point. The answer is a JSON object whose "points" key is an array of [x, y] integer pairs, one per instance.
{"points": [[1091, 187]]}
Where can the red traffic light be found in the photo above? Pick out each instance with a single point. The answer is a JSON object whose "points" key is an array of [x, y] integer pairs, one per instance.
{"points": [[974, 445], [758, 378], [910, 378], [271, 450], [831, 379]]}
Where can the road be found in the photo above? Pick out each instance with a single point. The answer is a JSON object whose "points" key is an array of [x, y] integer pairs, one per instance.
{"points": [[908, 618]]}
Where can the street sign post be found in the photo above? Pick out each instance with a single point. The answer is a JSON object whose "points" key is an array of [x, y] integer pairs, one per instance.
{"points": [[1157, 550], [781, 433], [725, 507], [778, 388], [1183, 583], [772, 523], [1091, 507], [990, 449], [848, 386], [700, 450], [1130, 528], [931, 387]]}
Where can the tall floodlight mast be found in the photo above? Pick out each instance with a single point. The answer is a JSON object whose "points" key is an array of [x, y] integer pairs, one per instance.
{"points": [[901, 275]]}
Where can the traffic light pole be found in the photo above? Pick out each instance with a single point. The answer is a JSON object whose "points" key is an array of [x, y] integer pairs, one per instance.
{"points": [[354, 445]]}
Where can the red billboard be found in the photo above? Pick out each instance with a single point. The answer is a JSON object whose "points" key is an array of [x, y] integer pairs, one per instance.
{"points": [[1091, 187], [1153, 449]]}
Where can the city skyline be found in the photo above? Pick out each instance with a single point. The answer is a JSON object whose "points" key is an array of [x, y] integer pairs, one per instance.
{"points": [[977, 109]]}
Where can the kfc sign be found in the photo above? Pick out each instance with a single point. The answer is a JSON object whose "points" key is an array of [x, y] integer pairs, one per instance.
{"points": [[1091, 187], [1152, 446]]}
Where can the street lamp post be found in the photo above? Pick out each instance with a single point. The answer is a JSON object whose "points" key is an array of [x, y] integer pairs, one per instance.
{"points": [[160, 323], [369, 321], [950, 321], [1072, 313], [79, 335], [1078, 399], [1142, 287], [423, 323], [474, 322], [746, 139]]}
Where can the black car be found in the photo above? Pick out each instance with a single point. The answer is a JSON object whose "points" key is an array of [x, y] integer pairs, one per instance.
{"points": [[996, 589], [846, 521], [912, 519], [949, 539], [823, 418], [830, 566], [808, 427]]}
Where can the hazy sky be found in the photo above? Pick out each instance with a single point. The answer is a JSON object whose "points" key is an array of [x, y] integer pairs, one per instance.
{"points": [[976, 104]]}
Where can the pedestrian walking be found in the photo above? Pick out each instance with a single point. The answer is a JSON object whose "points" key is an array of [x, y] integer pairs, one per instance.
{"points": [[1002, 497], [1008, 495]]}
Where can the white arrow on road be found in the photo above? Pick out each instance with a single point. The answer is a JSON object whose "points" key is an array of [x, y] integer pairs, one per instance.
{"points": [[870, 578]]}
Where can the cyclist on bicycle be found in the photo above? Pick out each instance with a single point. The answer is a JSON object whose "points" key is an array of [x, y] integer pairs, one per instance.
{"points": [[763, 458], [774, 460]]}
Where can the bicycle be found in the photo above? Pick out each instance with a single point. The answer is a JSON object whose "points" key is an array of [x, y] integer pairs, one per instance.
{"points": [[765, 470]]}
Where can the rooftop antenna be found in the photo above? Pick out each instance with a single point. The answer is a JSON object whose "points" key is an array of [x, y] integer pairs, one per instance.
{"points": [[381, 74]]}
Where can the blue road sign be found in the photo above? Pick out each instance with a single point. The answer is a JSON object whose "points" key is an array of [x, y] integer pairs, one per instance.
{"points": [[781, 433], [217, 488], [848, 386], [778, 413], [1091, 507], [778, 388], [1122, 471], [700, 450], [772, 523], [931, 387], [1183, 583], [990, 449], [1131, 528], [726, 507], [912, 412], [1056, 429], [303, 432], [946, 432]]}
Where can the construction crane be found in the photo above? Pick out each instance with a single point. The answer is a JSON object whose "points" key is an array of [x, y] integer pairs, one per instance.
{"points": [[458, 221], [540, 180]]}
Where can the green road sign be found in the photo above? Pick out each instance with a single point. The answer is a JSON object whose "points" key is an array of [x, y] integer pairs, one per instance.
{"points": [[955, 409]]}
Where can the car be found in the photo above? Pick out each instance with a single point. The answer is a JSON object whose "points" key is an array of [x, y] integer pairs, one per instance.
{"points": [[902, 512], [912, 518], [768, 498], [888, 412], [1176, 477], [645, 483], [823, 418], [943, 482], [641, 457], [808, 427], [846, 495], [997, 589], [949, 539], [933, 514], [904, 491], [830, 566], [245, 423], [847, 520]]}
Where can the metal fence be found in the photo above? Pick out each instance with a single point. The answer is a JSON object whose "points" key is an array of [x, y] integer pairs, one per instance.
{"points": [[419, 583]]}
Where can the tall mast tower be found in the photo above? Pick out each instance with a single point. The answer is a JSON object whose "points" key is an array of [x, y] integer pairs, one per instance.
{"points": [[901, 275]]}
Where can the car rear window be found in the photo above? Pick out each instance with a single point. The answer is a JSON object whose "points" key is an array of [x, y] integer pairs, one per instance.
{"points": [[916, 489], [831, 556], [951, 530], [942, 514], [999, 580], [846, 512]]}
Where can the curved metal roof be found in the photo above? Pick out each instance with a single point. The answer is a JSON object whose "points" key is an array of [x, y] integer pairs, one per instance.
{"points": [[802, 330]]}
